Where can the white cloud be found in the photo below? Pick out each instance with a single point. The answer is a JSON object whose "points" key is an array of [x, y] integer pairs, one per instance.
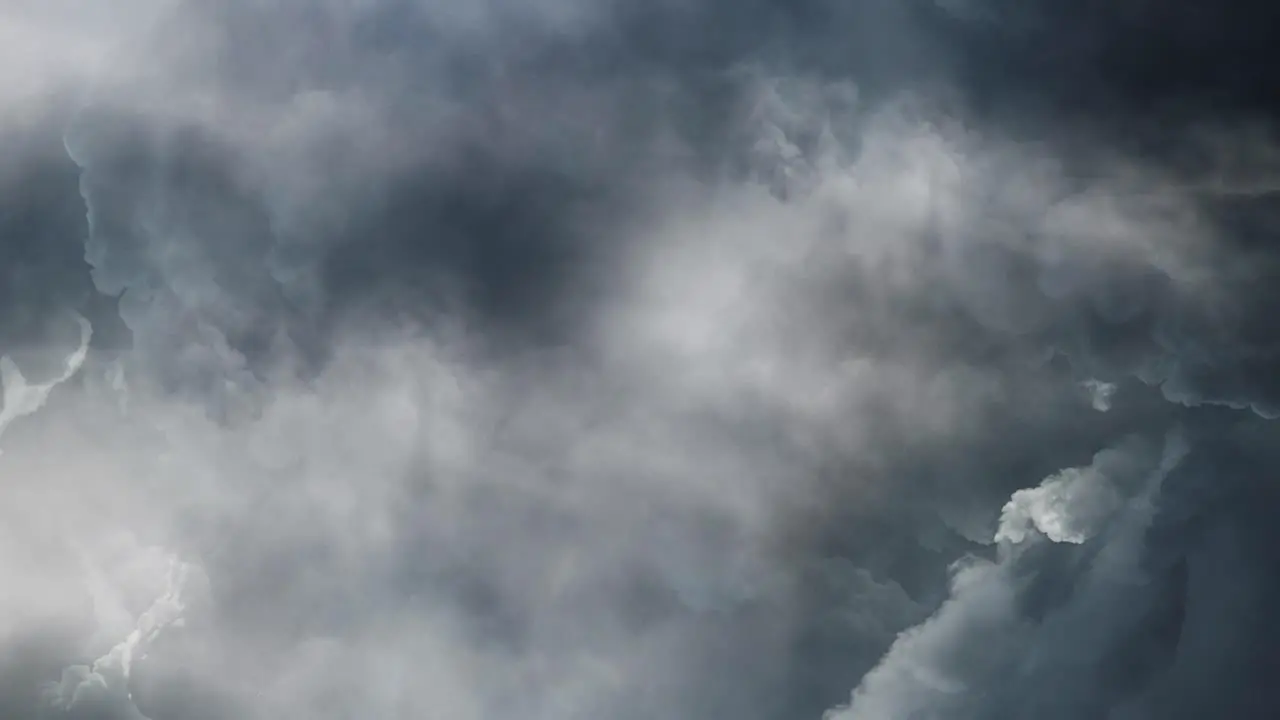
{"points": [[1070, 506]]}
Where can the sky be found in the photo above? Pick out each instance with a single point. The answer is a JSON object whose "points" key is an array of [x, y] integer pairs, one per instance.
{"points": [[700, 360]]}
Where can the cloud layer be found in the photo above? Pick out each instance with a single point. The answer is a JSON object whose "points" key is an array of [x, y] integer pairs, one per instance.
{"points": [[428, 358]]}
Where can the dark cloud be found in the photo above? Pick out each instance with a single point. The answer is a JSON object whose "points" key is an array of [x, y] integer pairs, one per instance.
{"points": [[564, 359]]}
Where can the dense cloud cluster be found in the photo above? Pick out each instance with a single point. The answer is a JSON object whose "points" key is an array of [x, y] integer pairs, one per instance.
{"points": [[880, 360]]}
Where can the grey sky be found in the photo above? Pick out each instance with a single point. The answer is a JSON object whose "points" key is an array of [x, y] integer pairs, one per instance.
{"points": [[752, 360]]}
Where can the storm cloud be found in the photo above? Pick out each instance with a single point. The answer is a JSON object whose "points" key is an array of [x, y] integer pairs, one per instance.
{"points": [[563, 359]]}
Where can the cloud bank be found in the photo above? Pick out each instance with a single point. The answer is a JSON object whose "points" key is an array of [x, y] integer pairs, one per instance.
{"points": [[428, 358]]}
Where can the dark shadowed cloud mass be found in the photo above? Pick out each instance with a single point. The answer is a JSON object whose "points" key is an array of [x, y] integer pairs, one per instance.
{"points": [[559, 359]]}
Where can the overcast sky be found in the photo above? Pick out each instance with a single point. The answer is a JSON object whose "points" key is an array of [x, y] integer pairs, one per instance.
{"points": [[573, 359]]}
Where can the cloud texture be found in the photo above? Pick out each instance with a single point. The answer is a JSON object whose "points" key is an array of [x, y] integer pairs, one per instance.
{"points": [[565, 359]]}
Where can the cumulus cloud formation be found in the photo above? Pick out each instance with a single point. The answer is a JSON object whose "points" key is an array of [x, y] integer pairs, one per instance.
{"points": [[429, 358], [994, 628]]}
